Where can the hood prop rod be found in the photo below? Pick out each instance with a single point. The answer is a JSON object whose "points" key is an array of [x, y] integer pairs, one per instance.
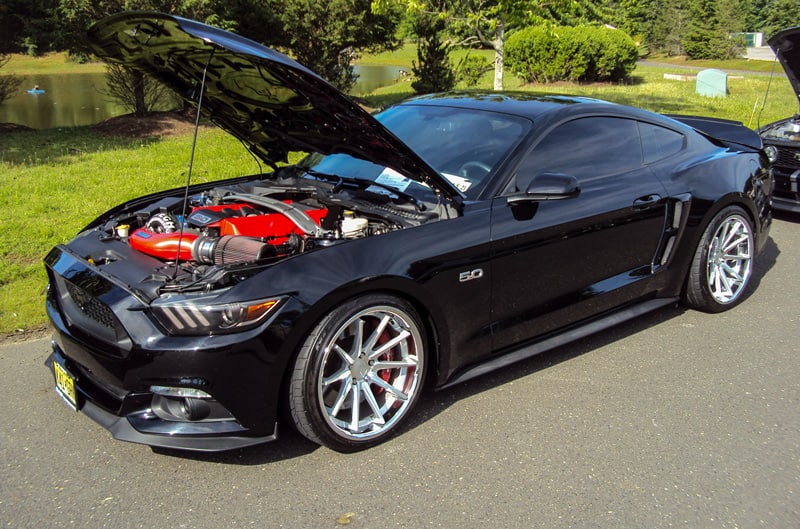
{"points": [[191, 163]]}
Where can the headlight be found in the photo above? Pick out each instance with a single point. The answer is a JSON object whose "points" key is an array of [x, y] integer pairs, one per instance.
{"points": [[772, 153], [205, 315]]}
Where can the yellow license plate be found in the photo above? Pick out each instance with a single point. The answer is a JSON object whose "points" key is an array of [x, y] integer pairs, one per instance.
{"points": [[65, 385]]}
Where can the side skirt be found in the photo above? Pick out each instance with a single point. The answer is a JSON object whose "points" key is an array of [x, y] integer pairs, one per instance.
{"points": [[573, 334]]}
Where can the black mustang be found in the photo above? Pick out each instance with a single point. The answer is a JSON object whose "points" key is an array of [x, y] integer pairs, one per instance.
{"points": [[445, 237]]}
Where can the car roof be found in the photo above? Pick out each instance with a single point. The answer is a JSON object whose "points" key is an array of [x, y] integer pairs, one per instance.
{"points": [[531, 106]]}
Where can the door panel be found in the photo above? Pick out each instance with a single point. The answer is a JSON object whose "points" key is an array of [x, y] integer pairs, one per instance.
{"points": [[557, 262]]}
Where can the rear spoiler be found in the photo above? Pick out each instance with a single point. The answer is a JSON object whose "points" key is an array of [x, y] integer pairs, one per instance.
{"points": [[724, 130]]}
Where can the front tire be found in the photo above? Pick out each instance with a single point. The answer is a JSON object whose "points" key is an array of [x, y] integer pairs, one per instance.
{"points": [[359, 373], [723, 262]]}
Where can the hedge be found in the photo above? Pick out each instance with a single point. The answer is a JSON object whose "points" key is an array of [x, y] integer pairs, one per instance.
{"points": [[546, 54]]}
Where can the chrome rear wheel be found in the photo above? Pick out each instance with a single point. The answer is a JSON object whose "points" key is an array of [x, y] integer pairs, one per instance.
{"points": [[723, 262], [729, 260]]}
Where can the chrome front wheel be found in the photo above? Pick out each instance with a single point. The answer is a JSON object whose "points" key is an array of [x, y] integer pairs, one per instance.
{"points": [[359, 373]]}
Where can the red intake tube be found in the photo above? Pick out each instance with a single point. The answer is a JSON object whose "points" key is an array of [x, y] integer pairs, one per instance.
{"points": [[163, 245]]}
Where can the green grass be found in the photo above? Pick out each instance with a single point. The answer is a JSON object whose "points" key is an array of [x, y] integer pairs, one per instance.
{"points": [[53, 182], [749, 65], [51, 63]]}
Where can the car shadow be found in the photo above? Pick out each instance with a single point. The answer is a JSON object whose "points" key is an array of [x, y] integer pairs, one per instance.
{"points": [[291, 444], [787, 216]]}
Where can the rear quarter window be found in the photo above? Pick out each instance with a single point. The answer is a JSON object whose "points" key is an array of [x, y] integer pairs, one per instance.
{"points": [[659, 142]]}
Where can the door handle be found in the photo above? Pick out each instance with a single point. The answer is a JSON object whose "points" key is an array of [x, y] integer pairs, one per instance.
{"points": [[646, 201]]}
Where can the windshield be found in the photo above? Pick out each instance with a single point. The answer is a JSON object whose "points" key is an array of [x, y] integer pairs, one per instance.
{"points": [[464, 145]]}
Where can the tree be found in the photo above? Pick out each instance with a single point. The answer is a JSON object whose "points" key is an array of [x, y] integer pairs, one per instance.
{"points": [[433, 71], [9, 83], [77, 15], [136, 91], [780, 14], [730, 43], [328, 39], [488, 22], [711, 25], [28, 26]]}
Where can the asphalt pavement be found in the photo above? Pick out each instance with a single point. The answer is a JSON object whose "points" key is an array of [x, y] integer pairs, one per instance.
{"points": [[679, 419]]}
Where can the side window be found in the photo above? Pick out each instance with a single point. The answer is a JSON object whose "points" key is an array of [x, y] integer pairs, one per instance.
{"points": [[585, 148], [659, 142]]}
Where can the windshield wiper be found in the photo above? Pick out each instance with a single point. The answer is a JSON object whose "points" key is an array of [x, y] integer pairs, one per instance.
{"points": [[364, 184]]}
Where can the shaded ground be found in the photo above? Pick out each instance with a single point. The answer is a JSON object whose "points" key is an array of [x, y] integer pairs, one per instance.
{"points": [[155, 124], [159, 124], [12, 127]]}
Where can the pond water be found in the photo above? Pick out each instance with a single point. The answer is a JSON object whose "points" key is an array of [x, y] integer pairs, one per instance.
{"points": [[76, 99]]}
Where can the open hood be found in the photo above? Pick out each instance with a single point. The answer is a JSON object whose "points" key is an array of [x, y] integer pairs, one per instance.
{"points": [[786, 45], [270, 102]]}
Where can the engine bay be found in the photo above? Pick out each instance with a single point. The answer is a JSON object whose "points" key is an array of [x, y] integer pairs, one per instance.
{"points": [[787, 130], [226, 233]]}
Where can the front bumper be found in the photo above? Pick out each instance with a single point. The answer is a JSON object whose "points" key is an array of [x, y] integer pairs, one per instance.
{"points": [[786, 172], [786, 194], [141, 425], [115, 355]]}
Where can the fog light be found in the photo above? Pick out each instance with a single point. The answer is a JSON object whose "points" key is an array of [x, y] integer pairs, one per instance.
{"points": [[195, 409], [171, 391], [181, 408]]}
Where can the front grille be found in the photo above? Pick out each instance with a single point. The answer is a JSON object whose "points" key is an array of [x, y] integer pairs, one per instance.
{"points": [[90, 306], [87, 316], [788, 157]]}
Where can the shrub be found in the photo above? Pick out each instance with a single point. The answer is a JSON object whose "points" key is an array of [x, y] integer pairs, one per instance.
{"points": [[545, 54], [471, 68]]}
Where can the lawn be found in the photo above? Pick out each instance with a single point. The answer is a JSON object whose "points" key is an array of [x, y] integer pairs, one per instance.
{"points": [[53, 182]]}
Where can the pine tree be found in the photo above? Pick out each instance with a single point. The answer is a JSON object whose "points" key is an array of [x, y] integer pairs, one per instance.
{"points": [[433, 69]]}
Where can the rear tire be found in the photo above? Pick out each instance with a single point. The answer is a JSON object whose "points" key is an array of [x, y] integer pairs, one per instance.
{"points": [[359, 373], [723, 262]]}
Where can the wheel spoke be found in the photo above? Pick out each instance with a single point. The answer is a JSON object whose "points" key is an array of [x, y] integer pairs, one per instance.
{"points": [[373, 404], [358, 339], [344, 390], [735, 244], [732, 273], [342, 374], [389, 345], [376, 334], [736, 257], [343, 354], [378, 381], [355, 409], [725, 288], [407, 362]]}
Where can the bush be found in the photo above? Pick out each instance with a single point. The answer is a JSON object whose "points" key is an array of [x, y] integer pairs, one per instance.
{"points": [[471, 68], [546, 54]]}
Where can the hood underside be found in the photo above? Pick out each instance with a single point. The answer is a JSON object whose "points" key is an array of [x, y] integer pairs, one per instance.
{"points": [[786, 45], [267, 100]]}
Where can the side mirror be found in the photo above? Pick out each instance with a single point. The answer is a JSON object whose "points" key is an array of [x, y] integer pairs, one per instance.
{"points": [[548, 186]]}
